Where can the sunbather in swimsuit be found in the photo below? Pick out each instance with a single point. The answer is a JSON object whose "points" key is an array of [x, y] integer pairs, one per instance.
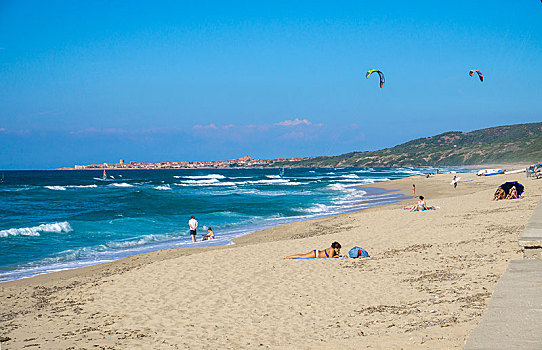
{"points": [[421, 206], [335, 252], [316, 253]]}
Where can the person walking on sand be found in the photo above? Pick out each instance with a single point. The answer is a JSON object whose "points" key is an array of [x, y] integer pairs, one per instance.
{"points": [[193, 224], [413, 191], [454, 181]]}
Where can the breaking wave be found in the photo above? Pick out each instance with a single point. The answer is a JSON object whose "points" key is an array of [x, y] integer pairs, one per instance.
{"points": [[57, 227]]}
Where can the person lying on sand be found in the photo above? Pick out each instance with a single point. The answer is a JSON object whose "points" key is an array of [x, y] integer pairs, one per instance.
{"points": [[333, 252], [421, 206]]}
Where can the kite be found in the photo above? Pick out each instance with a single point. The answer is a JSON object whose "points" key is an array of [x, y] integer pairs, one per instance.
{"points": [[480, 75], [371, 71]]}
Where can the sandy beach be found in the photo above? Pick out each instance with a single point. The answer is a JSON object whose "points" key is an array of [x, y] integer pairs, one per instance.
{"points": [[428, 281]]}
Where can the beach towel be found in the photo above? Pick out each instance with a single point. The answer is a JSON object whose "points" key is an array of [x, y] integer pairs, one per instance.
{"points": [[358, 252]]}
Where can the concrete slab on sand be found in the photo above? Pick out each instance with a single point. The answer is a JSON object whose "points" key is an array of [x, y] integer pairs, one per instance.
{"points": [[531, 238], [513, 319]]}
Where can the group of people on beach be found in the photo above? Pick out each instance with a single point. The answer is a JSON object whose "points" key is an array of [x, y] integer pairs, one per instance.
{"points": [[332, 252], [501, 194], [193, 225]]}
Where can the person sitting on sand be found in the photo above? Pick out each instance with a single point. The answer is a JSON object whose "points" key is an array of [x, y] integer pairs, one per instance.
{"points": [[210, 235], [513, 194], [499, 194], [421, 206], [333, 252]]}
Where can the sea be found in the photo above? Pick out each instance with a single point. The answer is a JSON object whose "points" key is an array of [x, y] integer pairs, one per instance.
{"points": [[57, 220]]}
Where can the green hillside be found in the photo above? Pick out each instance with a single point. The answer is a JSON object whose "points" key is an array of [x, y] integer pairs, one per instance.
{"points": [[501, 144]]}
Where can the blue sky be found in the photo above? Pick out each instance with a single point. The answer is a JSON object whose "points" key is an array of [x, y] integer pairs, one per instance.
{"points": [[92, 82]]}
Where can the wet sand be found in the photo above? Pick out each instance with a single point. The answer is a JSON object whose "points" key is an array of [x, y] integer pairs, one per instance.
{"points": [[428, 280]]}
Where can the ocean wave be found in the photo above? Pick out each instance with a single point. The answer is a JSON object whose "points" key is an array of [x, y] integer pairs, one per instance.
{"points": [[57, 227], [210, 176], [210, 182], [122, 184], [136, 242], [316, 209], [16, 189], [340, 187], [82, 186], [163, 188], [293, 183], [269, 182], [199, 182], [368, 170], [56, 188], [349, 176], [273, 176]]}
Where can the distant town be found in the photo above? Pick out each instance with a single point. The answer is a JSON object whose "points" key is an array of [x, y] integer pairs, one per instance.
{"points": [[243, 162]]}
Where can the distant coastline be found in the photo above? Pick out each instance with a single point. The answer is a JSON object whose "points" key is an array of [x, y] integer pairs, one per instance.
{"points": [[508, 144], [245, 162]]}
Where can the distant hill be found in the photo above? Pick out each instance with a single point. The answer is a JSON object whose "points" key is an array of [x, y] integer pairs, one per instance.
{"points": [[501, 144]]}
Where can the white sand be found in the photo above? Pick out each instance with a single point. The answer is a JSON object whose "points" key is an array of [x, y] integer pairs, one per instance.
{"points": [[425, 286]]}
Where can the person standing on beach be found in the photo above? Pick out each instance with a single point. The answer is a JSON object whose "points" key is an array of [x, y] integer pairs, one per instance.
{"points": [[193, 224], [454, 181], [413, 191]]}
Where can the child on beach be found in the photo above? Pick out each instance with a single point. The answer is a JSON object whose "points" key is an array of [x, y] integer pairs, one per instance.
{"points": [[333, 252], [210, 235]]}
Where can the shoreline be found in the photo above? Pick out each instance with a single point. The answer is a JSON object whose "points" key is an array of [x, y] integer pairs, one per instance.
{"points": [[438, 269], [371, 190]]}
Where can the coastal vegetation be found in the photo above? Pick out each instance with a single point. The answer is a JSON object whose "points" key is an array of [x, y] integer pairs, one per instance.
{"points": [[501, 144], [496, 145]]}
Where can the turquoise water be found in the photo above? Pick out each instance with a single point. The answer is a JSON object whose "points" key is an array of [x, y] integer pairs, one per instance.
{"points": [[54, 220]]}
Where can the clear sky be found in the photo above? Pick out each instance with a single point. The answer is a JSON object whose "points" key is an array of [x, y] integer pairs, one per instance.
{"points": [[95, 81]]}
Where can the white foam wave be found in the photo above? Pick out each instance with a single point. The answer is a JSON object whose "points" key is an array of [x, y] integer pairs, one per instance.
{"points": [[135, 243], [199, 182], [296, 183], [82, 186], [350, 176], [122, 184], [210, 176], [318, 208], [273, 176], [163, 188], [368, 170], [269, 182], [56, 227], [56, 188], [340, 187]]}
